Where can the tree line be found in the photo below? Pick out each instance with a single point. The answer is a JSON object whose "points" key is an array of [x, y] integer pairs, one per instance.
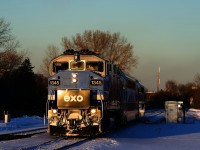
{"points": [[22, 91], [189, 93]]}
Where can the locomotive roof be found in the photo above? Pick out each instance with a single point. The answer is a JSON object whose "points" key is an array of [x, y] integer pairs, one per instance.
{"points": [[81, 52], [129, 76], [134, 79], [71, 52]]}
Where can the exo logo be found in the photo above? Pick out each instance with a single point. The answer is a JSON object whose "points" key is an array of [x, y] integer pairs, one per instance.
{"points": [[75, 98]]}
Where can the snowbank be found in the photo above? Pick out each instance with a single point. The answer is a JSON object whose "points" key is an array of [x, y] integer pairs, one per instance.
{"points": [[21, 123]]}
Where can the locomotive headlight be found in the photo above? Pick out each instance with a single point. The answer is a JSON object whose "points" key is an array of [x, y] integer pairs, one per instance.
{"points": [[54, 111], [93, 111], [74, 80], [74, 77]]}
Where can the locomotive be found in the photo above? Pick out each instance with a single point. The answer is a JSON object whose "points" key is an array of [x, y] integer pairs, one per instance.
{"points": [[88, 95]]}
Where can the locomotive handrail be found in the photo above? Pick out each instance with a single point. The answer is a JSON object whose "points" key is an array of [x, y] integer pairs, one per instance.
{"points": [[99, 92], [47, 108], [47, 103]]}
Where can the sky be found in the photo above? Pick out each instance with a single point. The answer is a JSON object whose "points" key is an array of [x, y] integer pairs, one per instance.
{"points": [[164, 34]]}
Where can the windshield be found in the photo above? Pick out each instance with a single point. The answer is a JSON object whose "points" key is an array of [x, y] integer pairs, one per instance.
{"points": [[60, 66], [77, 65], [94, 66]]}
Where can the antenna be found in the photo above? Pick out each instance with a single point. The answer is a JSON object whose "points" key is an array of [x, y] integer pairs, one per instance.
{"points": [[158, 79]]}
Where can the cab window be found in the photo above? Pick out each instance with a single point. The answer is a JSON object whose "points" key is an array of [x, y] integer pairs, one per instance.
{"points": [[94, 66], [60, 66], [77, 65]]}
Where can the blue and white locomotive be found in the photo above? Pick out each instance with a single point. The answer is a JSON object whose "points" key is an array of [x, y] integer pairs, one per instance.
{"points": [[88, 95]]}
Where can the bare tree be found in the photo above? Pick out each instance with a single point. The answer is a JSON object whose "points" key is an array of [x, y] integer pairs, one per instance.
{"points": [[197, 79], [51, 52], [171, 86], [111, 47], [10, 59], [7, 40]]}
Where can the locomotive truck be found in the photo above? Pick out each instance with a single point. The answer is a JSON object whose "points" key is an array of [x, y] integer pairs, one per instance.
{"points": [[88, 95]]}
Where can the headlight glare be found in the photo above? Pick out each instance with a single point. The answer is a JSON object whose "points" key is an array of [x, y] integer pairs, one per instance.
{"points": [[74, 77], [74, 80], [93, 111], [54, 111]]}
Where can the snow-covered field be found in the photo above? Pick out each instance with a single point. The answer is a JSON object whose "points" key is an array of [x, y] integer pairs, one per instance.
{"points": [[22, 123], [138, 136]]}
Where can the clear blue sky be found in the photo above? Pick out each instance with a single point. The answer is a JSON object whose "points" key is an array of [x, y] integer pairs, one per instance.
{"points": [[164, 33]]}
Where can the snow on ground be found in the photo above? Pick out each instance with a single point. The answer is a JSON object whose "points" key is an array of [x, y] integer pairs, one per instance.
{"points": [[21, 123], [140, 136], [155, 136]]}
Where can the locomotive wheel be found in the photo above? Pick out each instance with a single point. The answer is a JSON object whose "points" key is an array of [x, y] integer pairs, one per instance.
{"points": [[56, 130], [123, 120], [117, 120], [105, 123], [52, 130]]}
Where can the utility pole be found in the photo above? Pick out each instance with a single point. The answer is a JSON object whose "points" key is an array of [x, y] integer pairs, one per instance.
{"points": [[158, 80]]}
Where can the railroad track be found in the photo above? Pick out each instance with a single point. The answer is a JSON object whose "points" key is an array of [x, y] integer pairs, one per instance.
{"points": [[39, 139], [58, 144], [22, 134], [61, 143]]}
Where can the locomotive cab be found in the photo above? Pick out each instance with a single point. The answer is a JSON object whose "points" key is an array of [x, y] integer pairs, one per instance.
{"points": [[75, 94]]}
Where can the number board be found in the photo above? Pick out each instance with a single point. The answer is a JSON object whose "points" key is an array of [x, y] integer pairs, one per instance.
{"points": [[54, 82], [96, 82]]}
